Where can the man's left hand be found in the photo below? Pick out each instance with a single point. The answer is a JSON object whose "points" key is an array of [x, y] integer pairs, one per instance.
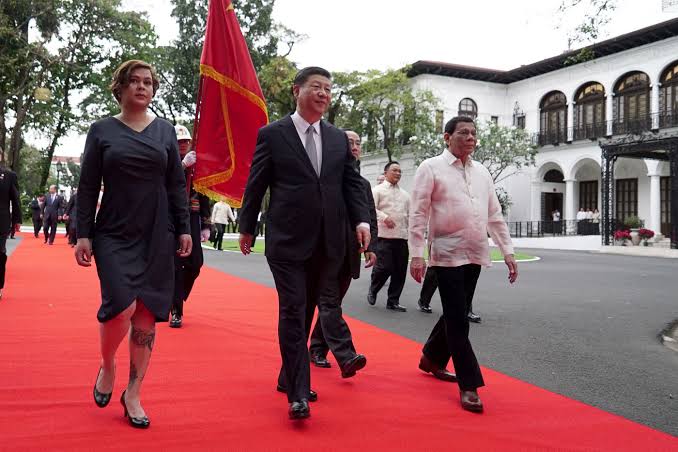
{"points": [[363, 236], [185, 245], [512, 268], [204, 234], [370, 259]]}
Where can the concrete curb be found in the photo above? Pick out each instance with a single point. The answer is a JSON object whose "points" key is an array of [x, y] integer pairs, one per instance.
{"points": [[669, 336]]}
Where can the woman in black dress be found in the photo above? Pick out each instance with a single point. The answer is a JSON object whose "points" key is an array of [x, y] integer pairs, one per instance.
{"points": [[142, 218]]}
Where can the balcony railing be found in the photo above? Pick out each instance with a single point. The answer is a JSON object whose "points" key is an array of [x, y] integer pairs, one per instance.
{"points": [[594, 131], [553, 228]]}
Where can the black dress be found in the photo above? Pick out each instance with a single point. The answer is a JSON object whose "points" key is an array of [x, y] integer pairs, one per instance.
{"points": [[143, 210]]}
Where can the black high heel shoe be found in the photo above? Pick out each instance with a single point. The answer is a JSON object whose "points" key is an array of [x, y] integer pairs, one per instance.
{"points": [[100, 398], [136, 422]]}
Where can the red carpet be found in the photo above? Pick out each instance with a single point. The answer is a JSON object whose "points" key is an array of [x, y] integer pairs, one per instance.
{"points": [[211, 384]]}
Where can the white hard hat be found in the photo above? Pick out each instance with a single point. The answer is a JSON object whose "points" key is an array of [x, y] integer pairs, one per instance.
{"points": [[182, 132]]}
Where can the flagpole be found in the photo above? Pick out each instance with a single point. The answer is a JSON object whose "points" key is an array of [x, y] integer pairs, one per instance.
{"points": [[194, 142]]}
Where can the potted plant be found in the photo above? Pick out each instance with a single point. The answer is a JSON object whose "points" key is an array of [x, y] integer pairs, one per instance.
{"points": [[622, 235], [645, 235], [633, 223]]}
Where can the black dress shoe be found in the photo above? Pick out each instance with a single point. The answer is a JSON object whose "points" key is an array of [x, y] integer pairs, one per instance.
{"points": [[313, 396], [320, 361], [299, 409], [470, 401], [430, 367], [100, 398], [353, 365], [424, 307], [175, 322], [371, 298], [396, 307], [136, 422], [473, 317]]}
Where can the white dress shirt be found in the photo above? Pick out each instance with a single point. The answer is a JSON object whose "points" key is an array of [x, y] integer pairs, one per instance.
{"points": [[222, 213], [459, 206], [390, 201], [302, 126]]}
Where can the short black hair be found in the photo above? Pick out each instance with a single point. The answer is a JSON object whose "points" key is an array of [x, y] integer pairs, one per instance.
{"points": [[451, 125], [306, 72], [388, 165]]}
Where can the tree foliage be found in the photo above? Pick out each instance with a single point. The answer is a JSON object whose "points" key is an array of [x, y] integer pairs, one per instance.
{"points": [[383, 109], [592, 16], [80, 42]]}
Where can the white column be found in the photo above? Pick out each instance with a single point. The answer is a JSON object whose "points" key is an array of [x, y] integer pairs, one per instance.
{"points": [[608, 112], [570, 119], [655, 204], [570, 212], [654, 105], [535, 201]]}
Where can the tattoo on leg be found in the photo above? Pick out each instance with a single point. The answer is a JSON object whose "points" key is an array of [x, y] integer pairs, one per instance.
{"points": [[143, 338], [133, 374]]}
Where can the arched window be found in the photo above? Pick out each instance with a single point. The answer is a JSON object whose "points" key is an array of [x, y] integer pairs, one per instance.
{"points": [[632, 103], [553, 176], [589, 111], [468, 107], [553, 118], [668, 97]]}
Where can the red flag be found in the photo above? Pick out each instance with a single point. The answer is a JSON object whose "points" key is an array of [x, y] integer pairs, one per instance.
{"points": [[231, 108]]}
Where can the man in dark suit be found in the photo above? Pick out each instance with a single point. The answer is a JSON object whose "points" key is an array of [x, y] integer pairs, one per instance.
{"points": [[50, 213], [351, 266], [9, 194], [70, 214], [308, 167], [36, 213]]}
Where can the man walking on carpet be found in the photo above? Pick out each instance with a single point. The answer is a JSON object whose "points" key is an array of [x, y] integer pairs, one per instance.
{"points": [[458, 247], [351, 266], [308, 166], [187, 269], [50, 213]]}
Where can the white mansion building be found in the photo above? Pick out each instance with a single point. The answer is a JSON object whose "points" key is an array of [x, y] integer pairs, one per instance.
{"points": [[607, 128]]}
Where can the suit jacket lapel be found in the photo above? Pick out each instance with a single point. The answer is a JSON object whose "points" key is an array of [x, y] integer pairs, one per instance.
{"points": [[292, 137]]}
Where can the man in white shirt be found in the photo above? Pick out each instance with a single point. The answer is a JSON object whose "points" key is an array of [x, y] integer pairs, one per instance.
{"points": [[454, 197], [222, 214], [392, 204]]}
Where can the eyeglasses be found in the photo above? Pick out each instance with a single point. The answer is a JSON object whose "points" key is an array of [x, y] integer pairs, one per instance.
{"points": [[466, 132], [353, 142]]}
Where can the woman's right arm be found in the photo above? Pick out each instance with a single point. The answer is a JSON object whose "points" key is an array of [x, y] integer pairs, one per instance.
{"points": [[88, 196]]}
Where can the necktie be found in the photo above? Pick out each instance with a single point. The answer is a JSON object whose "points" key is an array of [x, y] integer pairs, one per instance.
{"points": [[311, 149]]}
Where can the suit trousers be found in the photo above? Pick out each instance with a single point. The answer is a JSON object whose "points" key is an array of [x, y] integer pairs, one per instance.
{"points": [[218, 241], [37, 225], [187, 269], [393, 259], [3, 259], [429, 287], [318, 344], [50, 227], [449, 337], [301, 285]]}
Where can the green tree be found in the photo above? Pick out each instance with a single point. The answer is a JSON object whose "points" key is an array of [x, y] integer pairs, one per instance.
{"points": [[24, 67], [79, 45], [179, 63], [385, 110]]}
